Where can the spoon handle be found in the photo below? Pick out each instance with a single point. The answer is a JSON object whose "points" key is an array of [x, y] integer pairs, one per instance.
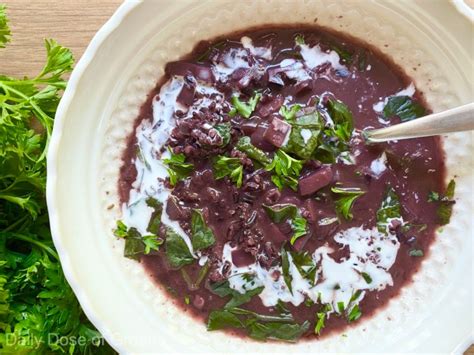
{"points": [[455, 120]]}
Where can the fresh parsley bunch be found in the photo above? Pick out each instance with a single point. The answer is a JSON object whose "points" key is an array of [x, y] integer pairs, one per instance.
{"points": [[38, 310]]}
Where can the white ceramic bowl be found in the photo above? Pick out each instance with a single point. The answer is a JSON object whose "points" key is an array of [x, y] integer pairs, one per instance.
{"points": [[430, 40]]}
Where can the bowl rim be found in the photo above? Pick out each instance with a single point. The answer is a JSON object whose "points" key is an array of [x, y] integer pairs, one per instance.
{"points": [[87, 58]]}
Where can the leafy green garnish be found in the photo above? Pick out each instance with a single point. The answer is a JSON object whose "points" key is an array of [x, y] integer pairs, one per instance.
{"points": [[285, 266], [403, 107], [4, 29], [136, 244], [446, 202], [203, 236], [305, 265], [245, 109], [321, 318], [223, 289], [304, 135], [225, 166], [342, 117], [177, 168], [299, 225], [224, 131], [245, 145], [343, 53], [416, 252], [258, 326], [389, 209], [354, 314], [285, 170], [299, 39], [289, 114], [38, 309], [347, 197], [366, 277], [341, 307], [281, 212], [177, 250]]}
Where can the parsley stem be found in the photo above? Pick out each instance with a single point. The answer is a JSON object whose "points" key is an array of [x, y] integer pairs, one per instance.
{"points": [[35, 242], [13, 225]]}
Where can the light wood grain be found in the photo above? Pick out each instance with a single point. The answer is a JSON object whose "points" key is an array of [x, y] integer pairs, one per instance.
{"points": [[72, 23]]}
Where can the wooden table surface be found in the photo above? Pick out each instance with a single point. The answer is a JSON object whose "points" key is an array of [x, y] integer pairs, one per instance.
{"points": [[70, 22]]}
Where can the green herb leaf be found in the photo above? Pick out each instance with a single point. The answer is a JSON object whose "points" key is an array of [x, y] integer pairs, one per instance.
{"points": [[281, 212], [136, 244], [343, 53], [416, 252], [285, 170], [177, 251], [342, 117], [258, 326], [245, 109], [366, 277], [232, 167], [203, 236], [299, 225], [289, 113], [299, 39], [4, 29], [177, 168], [155, 220], [285, 266], [304, 135], [341, 307], [244, 145], [321, 318], [223, 289], [224, 131], [303, 261], [346, 199], [389, 209], [403, 107], [446, 202], [354, 314]]}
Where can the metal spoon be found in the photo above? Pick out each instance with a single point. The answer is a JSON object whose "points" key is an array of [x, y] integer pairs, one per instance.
{"points": [[454, 120]]}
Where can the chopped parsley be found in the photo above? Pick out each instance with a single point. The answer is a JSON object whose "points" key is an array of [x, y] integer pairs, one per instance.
{"points": [[289, 113], [346, 199], [366, 277], [288, 212], [354, 314], [223, 289], [245, 109], [178, 169], [416, 252], [446, 202], [299, 39], [202, 236], [258, 326], [285, 266], [285, 170], [389, 209], [257, 155], [321, 318], [177, 251], [225, 166], [224, 132], [403, 107]]}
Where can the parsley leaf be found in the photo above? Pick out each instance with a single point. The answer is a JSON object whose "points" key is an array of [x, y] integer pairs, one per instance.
{"points": [[299, 39], [366, 277], [299, 225], [136, 244], [258, 326], [354, 314], [245, 145], [305, 265], [285, 266], [223, 289], [321, 318], [403, 107], [177, 250], [285, 170], [232, 167], [203, 236], [416, 252], [342, 117], [4, 29], [304, 135], [245, 109], [289, 114], [282, 212], [177, 168], [224, 131], [389, 209], [446, 202], [346, 200]]}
